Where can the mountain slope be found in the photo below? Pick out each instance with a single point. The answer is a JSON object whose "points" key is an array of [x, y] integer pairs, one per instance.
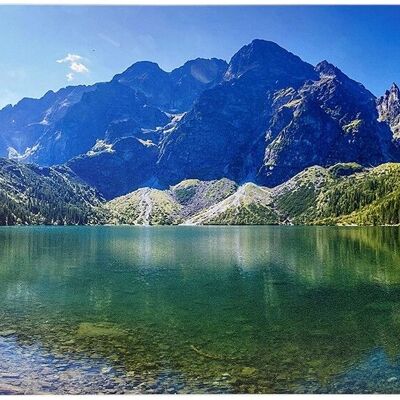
{"points": [[368, 198], [91, 119], [195, 195], [117, 169], [251, 204], [389, 109], [220, 136], [341, 194], [144, 207], [148, 206], [123, 166], [175, 91], [38, 195], [263, 118], [327, 121], [23, 124], [344, 194]]}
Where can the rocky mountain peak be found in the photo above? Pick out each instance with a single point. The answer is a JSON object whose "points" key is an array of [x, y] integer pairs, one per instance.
{"points": [[173, 91], [137, 69], [203, 70], [265, 60], [388, 107], [326, 68], [341, 93], [393, 94]]}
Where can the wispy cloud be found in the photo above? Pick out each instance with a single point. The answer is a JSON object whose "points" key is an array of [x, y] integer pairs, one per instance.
{"points": [[109, 40], [75, 64]]}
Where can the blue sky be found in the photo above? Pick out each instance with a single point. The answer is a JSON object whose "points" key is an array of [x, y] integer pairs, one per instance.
{"points": [[92, 44]]}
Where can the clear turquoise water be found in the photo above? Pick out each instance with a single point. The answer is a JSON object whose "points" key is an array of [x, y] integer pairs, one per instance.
{"points": [[199, 309]]}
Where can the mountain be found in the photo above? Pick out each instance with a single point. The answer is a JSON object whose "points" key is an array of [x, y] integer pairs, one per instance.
{"points": [[124, 165], [22, 125], [389, 109], [293, 202], [65, 124], [174, 92], [39, 195], [368, 198], [272, 116], [117, 169], [195, 196], [145, 206], [221, 135], [251, 204], [263, 118], [343, 194], [148, 206], [99, 112], [329, 120]]}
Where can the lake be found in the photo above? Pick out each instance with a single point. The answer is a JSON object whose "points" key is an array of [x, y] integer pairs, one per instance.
{"points": [[199, 309]]}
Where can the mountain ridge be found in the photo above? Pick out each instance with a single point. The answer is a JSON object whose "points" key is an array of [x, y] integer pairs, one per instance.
{"points": [[343, 194], [263, 117]]}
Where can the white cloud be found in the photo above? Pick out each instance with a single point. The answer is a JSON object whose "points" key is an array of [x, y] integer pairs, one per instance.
{"points": [[70, 58], [78, 67], [75, 64]]}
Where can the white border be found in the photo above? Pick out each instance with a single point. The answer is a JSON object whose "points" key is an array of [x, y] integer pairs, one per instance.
{"points": [[195, 3]]}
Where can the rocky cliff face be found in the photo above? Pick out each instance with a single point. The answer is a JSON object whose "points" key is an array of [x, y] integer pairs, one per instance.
{"points": [[117, 169], [328, 120], [176, 91], [273, 116], [389, 109], [221, 135], [99, 114], [22, 125], [62, 125]]}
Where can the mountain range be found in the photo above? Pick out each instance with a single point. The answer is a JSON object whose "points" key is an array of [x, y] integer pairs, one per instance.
{"points": [[234, 139]]}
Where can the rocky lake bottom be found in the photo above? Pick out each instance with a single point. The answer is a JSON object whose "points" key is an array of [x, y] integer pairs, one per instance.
{"points": [[87, 310]]}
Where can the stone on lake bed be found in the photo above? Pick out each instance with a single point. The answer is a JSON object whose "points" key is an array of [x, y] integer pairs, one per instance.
{"points": [[89, 329], [10, 389], [320, 333], [7, 333], [248, 371]]}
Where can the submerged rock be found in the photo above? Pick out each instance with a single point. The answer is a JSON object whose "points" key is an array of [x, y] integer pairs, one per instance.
{"points": [[248, 371], [95, 330], [7, 333]]}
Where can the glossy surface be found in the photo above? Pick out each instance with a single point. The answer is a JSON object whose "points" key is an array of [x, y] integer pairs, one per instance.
{"points": [[199, 309]]}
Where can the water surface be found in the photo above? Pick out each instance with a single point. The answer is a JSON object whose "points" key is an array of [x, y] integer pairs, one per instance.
{"points": [[199, 310]]}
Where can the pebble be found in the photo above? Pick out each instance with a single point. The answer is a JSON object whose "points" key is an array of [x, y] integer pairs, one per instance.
{"points": [[7, 333]]}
